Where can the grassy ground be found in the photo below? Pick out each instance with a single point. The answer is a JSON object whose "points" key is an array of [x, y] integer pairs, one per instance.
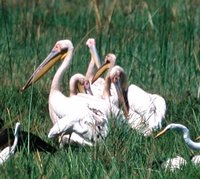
{"points": [[157, 43]]}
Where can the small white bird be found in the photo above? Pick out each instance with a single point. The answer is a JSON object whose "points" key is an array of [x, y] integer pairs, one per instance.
{"points": [[9, 151], [178, 162], [195, 160], [174, 164]]}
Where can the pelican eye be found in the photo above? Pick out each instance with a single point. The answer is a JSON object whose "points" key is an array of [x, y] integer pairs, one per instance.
{"points": [[64, 50], [107, 60]]}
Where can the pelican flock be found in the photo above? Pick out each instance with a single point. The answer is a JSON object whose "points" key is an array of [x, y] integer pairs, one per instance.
{"points": [[82, 116], [145, 112], [79, 118]]}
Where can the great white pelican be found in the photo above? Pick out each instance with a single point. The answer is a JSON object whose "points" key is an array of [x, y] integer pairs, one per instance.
{"points": [[83, 117], [97, 85], [144, 111]]}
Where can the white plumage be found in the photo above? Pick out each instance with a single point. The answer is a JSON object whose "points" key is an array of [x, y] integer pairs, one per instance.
{"points": [[174, 164], [97, 87], [90, 122], [75, 115], [91, 126], [177, 162], [9, 151], [79, 84], [196, 160], [144, 111]]}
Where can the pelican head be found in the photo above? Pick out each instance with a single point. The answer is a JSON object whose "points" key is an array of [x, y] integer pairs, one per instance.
{"points": [[118, 78], [79, 83], [59, 52], [110, 59], [91, 43], [109, 63]]}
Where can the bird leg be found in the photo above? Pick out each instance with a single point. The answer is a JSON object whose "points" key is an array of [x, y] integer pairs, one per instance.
{"points": [[63, 141]]}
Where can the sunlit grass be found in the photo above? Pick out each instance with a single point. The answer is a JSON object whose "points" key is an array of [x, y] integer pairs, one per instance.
{"points": [[156, 42]]}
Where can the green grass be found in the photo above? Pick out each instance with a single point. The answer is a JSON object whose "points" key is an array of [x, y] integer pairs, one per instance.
{"points": [[156, 42]]}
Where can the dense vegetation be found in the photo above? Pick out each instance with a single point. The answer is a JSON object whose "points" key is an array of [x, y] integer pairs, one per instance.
{"points": [[156, 42]]}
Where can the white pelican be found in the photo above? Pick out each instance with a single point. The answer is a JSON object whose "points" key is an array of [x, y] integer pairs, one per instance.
{"points": [[85, 118], [144, 111], [97, 85], [78, 83], [186, 135], [6, 153], [91, 43], [94, 125], [59, 104]]}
